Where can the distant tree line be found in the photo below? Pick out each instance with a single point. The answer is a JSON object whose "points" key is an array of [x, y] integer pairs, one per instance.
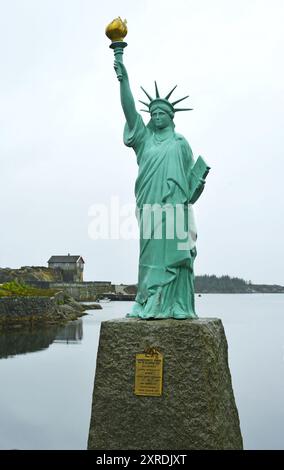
{"points": [[212, 284], [226, 284]]}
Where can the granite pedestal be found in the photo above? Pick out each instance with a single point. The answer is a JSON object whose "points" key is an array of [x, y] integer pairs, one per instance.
{"points": [[197, 408]]}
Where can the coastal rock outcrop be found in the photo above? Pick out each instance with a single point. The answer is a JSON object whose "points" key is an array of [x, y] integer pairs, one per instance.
{"points": [[30, 274], [34, 310]]}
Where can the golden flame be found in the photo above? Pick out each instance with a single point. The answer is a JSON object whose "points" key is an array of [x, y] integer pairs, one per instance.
{"points": [[117, 30]]}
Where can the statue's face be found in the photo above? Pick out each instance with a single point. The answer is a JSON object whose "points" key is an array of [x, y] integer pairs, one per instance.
{"points": [[160, 118]]}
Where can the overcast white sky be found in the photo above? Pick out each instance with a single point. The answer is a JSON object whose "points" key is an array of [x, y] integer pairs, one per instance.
{"points": [[61, 124]]}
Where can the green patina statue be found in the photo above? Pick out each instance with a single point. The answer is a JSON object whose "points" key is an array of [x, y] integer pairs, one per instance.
{"points": [[168, 183]]}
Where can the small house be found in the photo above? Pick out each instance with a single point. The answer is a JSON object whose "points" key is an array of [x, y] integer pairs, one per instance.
{"points": [[71, 266]]}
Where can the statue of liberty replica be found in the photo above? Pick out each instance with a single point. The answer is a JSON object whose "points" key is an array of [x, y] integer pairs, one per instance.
{"points": [[162, 384], [167, 185]]}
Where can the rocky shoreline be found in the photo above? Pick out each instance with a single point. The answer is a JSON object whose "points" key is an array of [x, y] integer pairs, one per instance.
{"points": [[28, 310]]}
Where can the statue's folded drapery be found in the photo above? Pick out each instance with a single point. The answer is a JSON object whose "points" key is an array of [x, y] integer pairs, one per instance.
{"points": [[166, 278]]}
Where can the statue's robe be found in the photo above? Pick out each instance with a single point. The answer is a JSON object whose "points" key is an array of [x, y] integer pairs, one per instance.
{"points": [[166, 278]]}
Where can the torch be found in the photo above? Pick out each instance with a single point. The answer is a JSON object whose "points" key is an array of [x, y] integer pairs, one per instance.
{"points": [[116, 32]]}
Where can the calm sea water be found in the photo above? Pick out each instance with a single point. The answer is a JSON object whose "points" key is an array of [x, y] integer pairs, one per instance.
{"points": [[47, 375]]}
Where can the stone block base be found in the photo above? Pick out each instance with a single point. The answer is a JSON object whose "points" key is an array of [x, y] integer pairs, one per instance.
{"points": [[197, 409]]}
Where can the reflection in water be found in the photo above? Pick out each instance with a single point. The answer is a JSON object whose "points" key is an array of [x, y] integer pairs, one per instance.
{"points": [[26, 340], [71, 333], [30, 339]]}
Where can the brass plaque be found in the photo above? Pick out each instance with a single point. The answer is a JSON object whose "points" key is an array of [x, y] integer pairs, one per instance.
{"points": [[149, 374]]}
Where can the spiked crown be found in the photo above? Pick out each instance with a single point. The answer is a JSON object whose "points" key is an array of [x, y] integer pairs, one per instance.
{"points": [[164, 101]]}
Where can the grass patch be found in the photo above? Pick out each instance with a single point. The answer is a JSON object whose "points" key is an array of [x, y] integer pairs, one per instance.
{"points": [[14, 288]]}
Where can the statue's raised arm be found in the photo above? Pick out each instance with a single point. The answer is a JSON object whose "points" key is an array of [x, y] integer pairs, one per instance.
{"points": [[126, 97]]}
